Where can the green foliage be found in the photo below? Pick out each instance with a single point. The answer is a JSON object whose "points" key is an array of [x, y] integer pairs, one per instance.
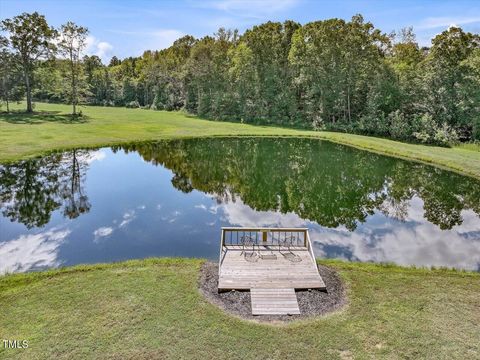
{"points": [[103, 126], [445, 135], [349, 185], [372, 123], [399, 126], [333, 74], [72, 41], [429, 132], [30, 38], [11, 84]]}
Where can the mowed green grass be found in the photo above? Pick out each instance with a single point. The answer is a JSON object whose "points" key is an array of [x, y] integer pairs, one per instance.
{"points": [[151, 309], [51, 128]]}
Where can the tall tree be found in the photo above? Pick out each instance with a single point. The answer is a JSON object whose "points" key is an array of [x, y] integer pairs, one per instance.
{"points": [[333, 61], [30, 37], [10, 76], [443, 75], [73, 40], [270, 43]]}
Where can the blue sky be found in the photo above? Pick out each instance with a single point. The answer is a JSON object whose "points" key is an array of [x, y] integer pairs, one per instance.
{"points": [[126, 28]]}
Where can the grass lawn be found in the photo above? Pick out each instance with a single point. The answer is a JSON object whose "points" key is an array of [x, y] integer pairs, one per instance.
{"points": [[152, 309], [50, 128]]}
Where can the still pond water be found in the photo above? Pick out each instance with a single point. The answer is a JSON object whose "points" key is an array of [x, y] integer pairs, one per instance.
{"points": [[171, 199]]}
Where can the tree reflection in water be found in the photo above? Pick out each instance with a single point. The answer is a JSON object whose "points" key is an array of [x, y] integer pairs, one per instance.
{"points": [[32, 189], [326, 183], [322, 182]]}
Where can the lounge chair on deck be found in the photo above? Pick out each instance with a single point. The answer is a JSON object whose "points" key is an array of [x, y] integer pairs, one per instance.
{"points": [[248, 241], [288, 242]]}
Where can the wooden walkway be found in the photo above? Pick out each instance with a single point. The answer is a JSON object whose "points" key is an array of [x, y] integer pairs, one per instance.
{"points": [[269, 268], [274, 302]]}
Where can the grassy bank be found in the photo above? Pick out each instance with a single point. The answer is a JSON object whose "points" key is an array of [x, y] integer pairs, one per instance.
{"points": [[50, 128], [152, 309]]}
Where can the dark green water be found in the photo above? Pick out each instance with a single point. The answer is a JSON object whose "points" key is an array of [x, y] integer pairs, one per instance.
{"points": [[171, 199]]}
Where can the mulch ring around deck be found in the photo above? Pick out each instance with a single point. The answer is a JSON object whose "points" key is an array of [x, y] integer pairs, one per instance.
{"points": [[312, 303]]}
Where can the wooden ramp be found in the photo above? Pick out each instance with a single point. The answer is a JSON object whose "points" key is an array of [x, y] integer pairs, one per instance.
{"points": [[271, 263], [274, 302]]}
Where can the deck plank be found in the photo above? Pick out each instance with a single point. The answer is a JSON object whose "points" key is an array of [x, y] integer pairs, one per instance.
{"points": [[237, 272], [274, 301]]}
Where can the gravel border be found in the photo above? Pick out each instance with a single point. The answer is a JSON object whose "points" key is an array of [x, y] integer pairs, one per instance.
{"points": [[312, 303]]}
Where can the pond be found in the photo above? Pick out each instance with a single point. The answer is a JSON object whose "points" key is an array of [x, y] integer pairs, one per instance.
{"points": [[171, 198]]}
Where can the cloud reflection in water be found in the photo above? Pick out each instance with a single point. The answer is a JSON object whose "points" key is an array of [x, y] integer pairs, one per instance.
{"points": [[412, 241], [33, 251]]}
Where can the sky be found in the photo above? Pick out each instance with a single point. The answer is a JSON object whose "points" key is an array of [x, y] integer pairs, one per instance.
{"points": [[127, 28]]}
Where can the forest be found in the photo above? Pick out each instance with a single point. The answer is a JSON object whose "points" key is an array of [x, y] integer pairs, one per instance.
{"points": [[332, 74]]}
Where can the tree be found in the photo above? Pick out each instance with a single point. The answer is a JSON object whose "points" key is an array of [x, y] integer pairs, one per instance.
{"points": [[114, 61], [335, 63], [72, 42], [10, 76], [30, 37], [31, 190], [444, 77], [71, 189], [28, 190], [470, 89], [274, 99], [242, 78]]}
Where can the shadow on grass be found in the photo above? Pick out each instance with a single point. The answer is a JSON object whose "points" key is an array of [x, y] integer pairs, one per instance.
{"points": [[260, 123], [39, 117]]}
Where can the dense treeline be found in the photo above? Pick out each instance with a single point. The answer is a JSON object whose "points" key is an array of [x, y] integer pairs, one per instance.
{"points": [[332, 74]]}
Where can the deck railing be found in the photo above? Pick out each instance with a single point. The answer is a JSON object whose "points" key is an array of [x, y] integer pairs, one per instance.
{"points": [[271, 237]]}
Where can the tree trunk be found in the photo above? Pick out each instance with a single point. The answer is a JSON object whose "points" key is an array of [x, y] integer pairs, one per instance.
{"points": [[74, 85], [8, 109], [348, 104], [29, 93]]}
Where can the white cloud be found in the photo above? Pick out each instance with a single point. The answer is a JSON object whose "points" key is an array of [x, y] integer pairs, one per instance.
{"points": [[213, 209], [447, 21], [403, 244], [201, 206], [30, 252], [127, 217], [92, 156], [239, 214], [102, 49], [414, 241], [469, 224], [102, 232]]}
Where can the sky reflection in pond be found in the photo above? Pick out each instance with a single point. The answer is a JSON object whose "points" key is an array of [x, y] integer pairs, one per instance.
{"points": [[171, 199]]}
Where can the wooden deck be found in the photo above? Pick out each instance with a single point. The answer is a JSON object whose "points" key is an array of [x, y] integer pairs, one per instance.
{"points": [[241, 271], [270, 270]]}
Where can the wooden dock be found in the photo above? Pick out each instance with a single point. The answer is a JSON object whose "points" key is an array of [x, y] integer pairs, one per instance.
{"points": [[271, 263]]}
